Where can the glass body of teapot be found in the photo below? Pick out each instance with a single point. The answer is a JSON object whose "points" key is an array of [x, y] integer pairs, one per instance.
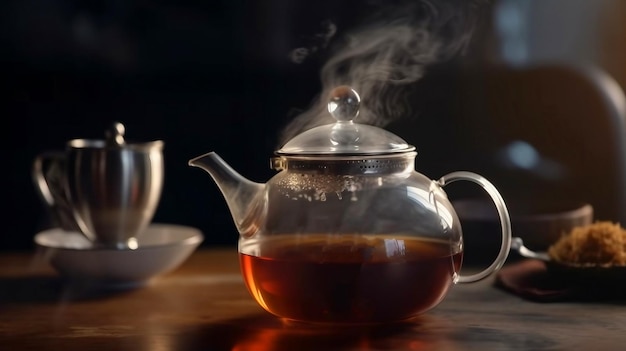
{"points": [[347, 232]]}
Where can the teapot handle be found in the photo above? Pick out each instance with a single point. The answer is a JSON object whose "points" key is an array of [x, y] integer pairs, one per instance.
{"points": [[505, 221]]}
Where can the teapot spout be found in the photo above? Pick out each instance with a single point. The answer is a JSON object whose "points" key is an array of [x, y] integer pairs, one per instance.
{"points": [[239, 192]]}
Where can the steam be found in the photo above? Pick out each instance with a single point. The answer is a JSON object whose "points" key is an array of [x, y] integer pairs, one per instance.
{"points": [[382, 58], [318, 42]]}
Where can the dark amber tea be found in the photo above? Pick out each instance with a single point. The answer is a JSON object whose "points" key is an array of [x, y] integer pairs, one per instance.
{"points": [[349, 279]]}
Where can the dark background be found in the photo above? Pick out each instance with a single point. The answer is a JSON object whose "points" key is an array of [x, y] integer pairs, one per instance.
{"points": [[200, 75]]}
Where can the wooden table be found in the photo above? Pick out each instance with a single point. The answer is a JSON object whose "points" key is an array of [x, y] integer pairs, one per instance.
{"points": [[204, 305]]}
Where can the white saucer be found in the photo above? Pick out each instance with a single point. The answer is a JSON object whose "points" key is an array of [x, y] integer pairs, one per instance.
{"points": [[161, 249]]}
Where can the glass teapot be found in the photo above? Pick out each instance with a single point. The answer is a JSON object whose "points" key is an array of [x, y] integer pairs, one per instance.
{"points": [[347, 232]]}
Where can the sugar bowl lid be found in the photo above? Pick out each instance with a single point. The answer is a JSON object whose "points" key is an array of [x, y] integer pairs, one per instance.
{"points": [[344, 137], [115, 141]]}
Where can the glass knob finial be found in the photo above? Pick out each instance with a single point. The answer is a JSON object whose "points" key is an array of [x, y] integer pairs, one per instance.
{"points": [[343, 103]]}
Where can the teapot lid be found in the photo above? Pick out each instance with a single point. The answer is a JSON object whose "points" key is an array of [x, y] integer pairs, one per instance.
{"points": [[345, 137]]}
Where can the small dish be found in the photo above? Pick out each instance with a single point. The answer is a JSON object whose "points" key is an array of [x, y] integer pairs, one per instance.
{"points": [[586, 274], [161, 249]]}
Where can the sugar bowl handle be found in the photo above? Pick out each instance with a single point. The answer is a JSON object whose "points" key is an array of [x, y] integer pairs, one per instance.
{"points": [[48, 173], [505, 221]]}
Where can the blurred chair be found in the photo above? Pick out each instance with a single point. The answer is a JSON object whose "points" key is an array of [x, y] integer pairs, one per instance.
{"points": [[544, 135]]}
